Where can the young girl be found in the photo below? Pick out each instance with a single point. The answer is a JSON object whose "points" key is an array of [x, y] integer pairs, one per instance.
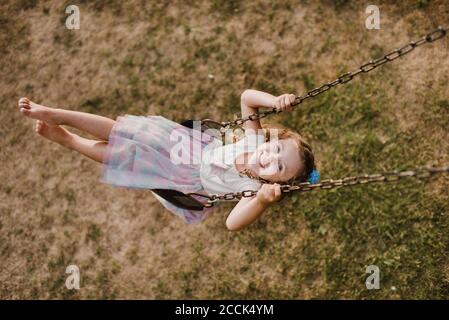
{"points": [[137, 151]]}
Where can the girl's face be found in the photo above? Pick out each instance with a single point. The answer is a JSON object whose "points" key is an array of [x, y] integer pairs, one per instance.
{"points": [[276, 160]]}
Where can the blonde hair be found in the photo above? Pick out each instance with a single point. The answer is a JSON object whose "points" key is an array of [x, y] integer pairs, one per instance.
{"points": [[304, 149]]}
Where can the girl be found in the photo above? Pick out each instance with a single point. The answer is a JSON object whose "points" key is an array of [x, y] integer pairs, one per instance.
{"points": [[137, 151]]}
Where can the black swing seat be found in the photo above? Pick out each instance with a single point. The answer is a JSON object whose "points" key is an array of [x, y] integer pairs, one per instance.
{"points": [[179, 199], [187, 123], [205, 125]]}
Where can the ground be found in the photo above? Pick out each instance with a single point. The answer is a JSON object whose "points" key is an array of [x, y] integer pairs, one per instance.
{"points": [[155, 57]]}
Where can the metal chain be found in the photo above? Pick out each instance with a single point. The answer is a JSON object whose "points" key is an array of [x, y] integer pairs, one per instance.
{"points": [[390, 176], [346, 77]]}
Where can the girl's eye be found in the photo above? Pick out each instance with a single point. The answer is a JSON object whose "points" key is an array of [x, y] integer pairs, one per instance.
{"points": [[279, 149], [280, 167]]}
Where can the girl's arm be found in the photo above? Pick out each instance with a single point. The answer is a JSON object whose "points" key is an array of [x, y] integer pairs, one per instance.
{"points": [[249, 209], [251, 100]]}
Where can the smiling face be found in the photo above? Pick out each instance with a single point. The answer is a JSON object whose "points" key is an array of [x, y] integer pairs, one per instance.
{"points": [[276, 160]]}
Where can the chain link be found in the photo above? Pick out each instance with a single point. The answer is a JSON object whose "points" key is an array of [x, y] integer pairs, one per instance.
{"points": [[346, 77], [390, 176]]}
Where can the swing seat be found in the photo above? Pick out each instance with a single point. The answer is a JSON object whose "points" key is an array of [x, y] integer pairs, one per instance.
{"points": [[206, 124], [187, 123], [180, 199]]}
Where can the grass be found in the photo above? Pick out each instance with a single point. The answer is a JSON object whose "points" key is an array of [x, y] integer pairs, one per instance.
{"points": [[147, 58]]}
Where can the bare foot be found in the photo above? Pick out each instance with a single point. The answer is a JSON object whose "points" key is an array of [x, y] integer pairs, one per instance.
{"points": [[38, 112], [53, 132]]}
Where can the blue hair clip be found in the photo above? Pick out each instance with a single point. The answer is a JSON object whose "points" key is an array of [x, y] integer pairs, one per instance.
{"points": [[314, 177]]}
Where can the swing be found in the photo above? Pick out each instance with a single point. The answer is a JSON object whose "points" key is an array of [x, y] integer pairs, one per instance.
{"points": [[187, 201], [180, 199]]}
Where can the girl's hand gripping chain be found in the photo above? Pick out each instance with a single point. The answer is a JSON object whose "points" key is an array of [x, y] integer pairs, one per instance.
{"points": [[269, 193], [284, 102]]}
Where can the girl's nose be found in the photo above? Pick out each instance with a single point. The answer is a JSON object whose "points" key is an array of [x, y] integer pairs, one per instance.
{"points": [[272, 157]]}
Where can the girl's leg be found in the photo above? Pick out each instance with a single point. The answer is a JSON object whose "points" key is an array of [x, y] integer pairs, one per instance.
{"points": [[92, 149], [98, 126]]}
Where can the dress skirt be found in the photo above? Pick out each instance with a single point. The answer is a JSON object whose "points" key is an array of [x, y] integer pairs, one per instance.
{"points": [[152, 152]]}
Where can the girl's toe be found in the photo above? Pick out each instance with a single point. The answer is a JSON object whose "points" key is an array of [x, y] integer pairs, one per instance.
{"points": [[24, 101], [25, 111]]}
